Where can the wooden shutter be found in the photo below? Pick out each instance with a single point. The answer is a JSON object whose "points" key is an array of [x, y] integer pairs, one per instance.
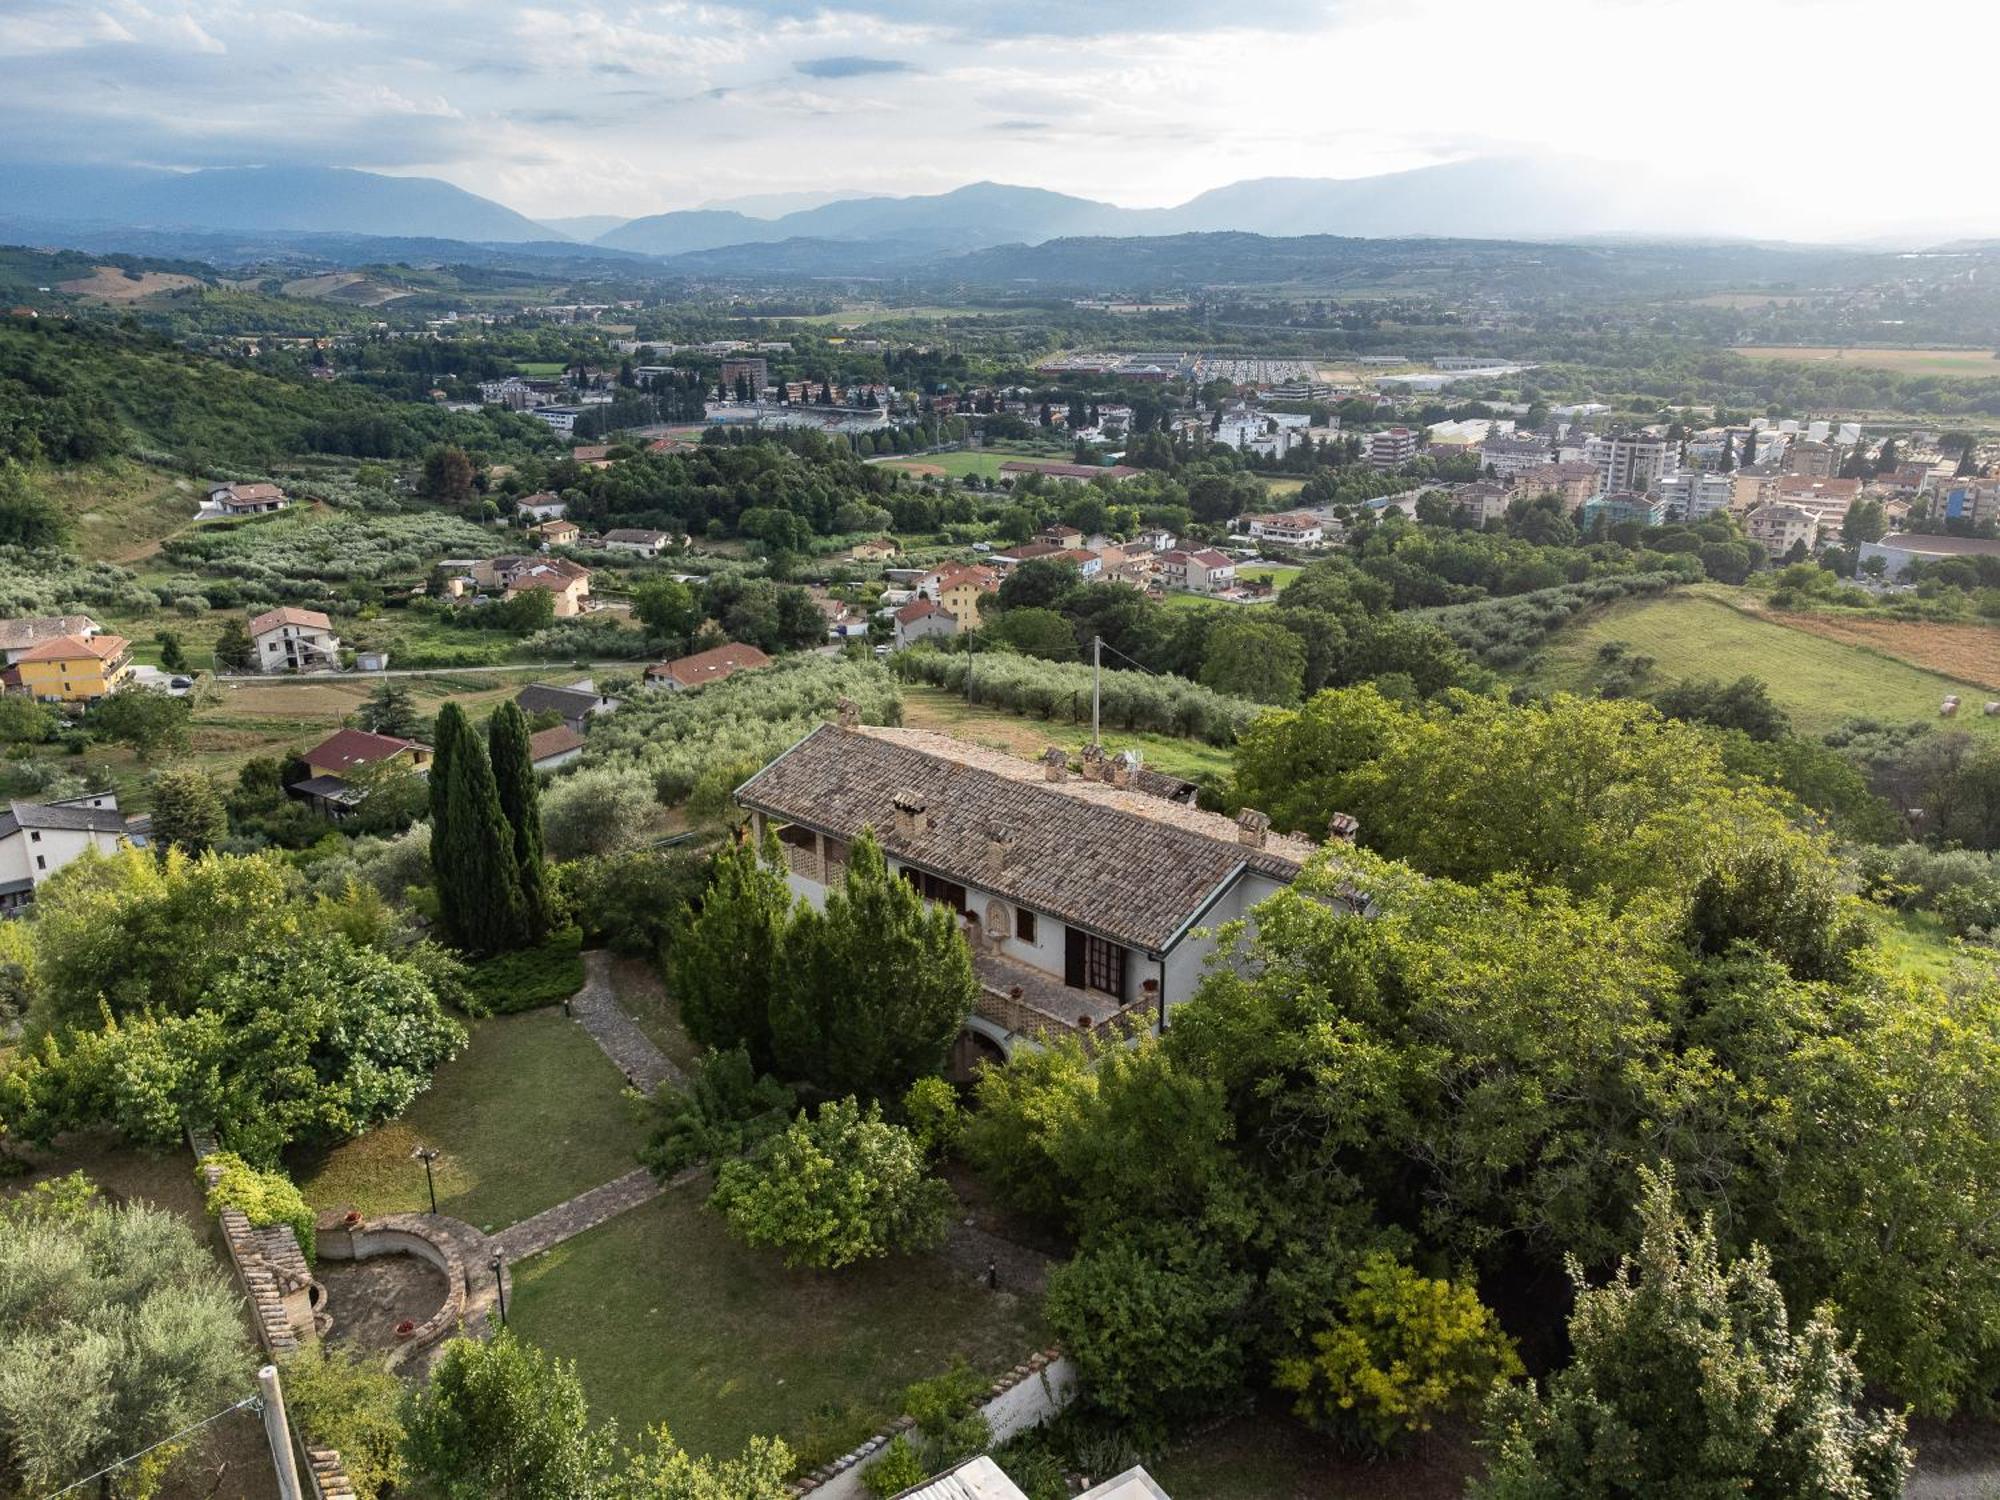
{"points": [[1075, 964]]}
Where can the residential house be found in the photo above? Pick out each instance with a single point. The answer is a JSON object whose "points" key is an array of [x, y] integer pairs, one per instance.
{"points": [[1392, 447], [18, 637], [75, 669], [1201, 572], [344, 762], [287, 639], [235, 499], [1573, 483], [1972, 501], [1027, 552], [843, 620], [1157, 540], [877, 549], [543, 505], [957, 588], [1620, 506], [1815, 460], [592, 455], [556, 533], [704, 667], [576, 704], [1482, 502], [640, 543], [1508, 458], [1694, 494], [1827, 499], [920, 619], [569, 582], [39, 838], [1292, 528], [1059, 535], [1087, 901], [1088, 563], [1631, 462], [1778, 528], [549, 749]]}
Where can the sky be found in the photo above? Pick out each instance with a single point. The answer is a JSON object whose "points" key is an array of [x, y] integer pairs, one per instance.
{"points": [[1787, 117]]}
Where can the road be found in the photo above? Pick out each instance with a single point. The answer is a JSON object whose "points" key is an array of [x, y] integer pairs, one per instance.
{"points": [[272, 679]]}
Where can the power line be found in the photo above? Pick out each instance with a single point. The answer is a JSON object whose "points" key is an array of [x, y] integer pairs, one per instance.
{"points": [[169, 1438]]}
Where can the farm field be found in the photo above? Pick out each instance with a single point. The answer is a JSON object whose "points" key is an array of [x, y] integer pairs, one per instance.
{"points": [[672, 1320], [995, 728], [114, 284], [860, 316], [983, 462], [1970, 364], [1970, 653], [1283, 489], [1819, 682]]}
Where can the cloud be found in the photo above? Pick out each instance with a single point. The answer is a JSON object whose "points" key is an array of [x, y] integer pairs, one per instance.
{"points": [[1021, 127], [848, 67]]}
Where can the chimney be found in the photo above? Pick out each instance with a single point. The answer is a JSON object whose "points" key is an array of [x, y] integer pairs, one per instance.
{"points": [[999, 846], [847, 712], [1055, 764], [1094, 768], [913, 818], [1342, 828], [1252, 827], [1123, 766]]}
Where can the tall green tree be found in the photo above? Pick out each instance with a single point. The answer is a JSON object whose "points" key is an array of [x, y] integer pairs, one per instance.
{"points": [[1254, 657], [726, 965], [479, 884], [1689, 1382], [392, 710], [873, 990], [188, 814], [520, 801], [500, 1420]]}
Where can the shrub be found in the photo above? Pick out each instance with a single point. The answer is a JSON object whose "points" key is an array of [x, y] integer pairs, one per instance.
{"points": [[726, 1109], [350, 1403], [633, 902], [934, 1115], [599, 810], [1406, 1350], [264, 1197], [1057, 690], [529, 978], [898, 1469]]}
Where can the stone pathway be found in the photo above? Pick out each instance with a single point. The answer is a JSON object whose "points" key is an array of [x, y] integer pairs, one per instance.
{"points": [[1018, 1268], [596, 1006], [585, 1211]]}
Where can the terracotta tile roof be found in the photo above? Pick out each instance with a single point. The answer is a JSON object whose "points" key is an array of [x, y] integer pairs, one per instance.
{"points": [[252, 491], [285, 614], [710, 666], [345, 749], [1116, 861], [76, 647], [560, 740], [915, 610]]}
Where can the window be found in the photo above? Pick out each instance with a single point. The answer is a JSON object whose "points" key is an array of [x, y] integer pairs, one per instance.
{"points": [[35, 837], [1024, 924], [41, 861], [936, 888], [1093, 963]]}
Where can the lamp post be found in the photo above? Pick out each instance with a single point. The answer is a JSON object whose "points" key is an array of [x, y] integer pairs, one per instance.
{"points": [[499, 1286], [427, 1155]]}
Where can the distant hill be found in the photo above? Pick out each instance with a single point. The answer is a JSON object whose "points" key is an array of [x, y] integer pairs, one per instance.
{"points": [[585, 227], [309, 200]]}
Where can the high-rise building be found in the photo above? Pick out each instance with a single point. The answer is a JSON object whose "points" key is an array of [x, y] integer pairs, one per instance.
{"points": [[1631, 462], [1392, 447]]}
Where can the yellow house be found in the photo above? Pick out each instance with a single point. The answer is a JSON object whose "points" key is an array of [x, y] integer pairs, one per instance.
{"points": [[958, 589], [71, 669]]}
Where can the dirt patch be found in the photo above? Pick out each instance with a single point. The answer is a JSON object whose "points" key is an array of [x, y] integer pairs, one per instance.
{"points": [[112, 284], [921, 470], [1970, 653], [368, 1298]]}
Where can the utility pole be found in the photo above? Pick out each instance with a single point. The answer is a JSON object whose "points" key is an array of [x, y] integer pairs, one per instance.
{"points": [[279, 1431], [1096, 685]]}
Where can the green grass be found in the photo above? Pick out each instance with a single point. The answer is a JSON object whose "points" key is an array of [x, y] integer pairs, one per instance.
{"points": [[536, 977], [539, 369], [1817, 681], [1268, 1456], [1917, 943], [983, 724], [1283, 488], [671, 1320], [1278, 575], [531, 1113]]}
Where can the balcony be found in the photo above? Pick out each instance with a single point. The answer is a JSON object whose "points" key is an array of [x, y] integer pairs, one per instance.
{"points": [[1029, 1002]]}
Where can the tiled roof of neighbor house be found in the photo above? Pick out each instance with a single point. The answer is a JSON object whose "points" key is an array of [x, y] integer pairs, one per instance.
{"points": [[553, 573], [21, 815], [953, 574], [253, 491], [710, 666], [346, 748], [915, 610], [560, 740], [537, 698], [630, 534], [590, 452], [285, 614], [14, 634], [1116, 861], [1031, 550], [76, 647]]}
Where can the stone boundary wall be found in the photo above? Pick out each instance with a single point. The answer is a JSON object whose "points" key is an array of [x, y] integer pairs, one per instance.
{"points": [[403, 1234], [268, 1261], [1026, 1396]]}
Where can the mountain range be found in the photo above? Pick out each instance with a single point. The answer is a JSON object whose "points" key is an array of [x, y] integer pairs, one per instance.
{"points": [[1494, 198]]}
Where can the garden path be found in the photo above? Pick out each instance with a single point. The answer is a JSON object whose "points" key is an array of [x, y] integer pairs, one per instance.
{"points": [[631, 1051]]}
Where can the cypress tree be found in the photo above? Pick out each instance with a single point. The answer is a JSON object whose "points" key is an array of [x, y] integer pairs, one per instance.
{"points": [[521, 801], [445, 737], [475, 864]]}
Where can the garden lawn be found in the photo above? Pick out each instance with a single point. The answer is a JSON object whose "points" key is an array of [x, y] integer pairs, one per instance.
{"points": [[671, 1320], [534, 977], [1019, 734], [530, 1114], [1818, 682]]}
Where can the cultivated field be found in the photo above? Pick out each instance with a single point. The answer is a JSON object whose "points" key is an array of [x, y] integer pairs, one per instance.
{"points": [[111, 284], [344, 286], [1969, 364], [995, 728], [1969, 653], [1818, 681]]}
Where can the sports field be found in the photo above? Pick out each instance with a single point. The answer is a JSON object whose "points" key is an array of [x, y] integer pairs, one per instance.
{"points": [[1969, 364], [1818, 681]]}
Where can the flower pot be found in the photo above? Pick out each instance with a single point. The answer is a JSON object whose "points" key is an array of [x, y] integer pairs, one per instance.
{"points": [[405, 1328]]}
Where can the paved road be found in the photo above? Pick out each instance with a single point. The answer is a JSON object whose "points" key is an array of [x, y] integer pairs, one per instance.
{"points": [[628, 664]]}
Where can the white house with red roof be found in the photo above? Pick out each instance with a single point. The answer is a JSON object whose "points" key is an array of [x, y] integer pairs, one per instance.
{"points": [[1201, 572], [294, 640], [921, 619]]}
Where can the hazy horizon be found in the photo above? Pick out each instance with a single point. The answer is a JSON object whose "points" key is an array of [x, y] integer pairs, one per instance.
{"points": [[1762, 118]]}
